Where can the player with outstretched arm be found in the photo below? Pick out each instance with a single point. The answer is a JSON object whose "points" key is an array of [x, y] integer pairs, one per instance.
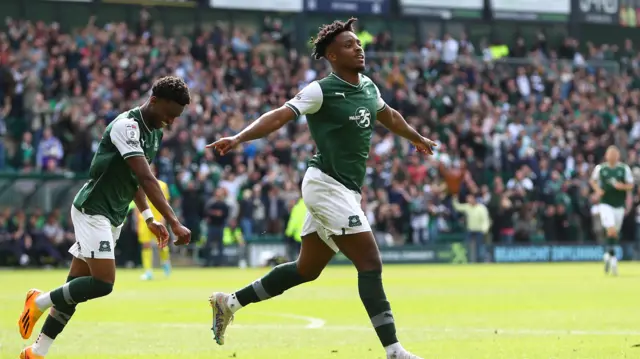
{"points": [[341, 110]]}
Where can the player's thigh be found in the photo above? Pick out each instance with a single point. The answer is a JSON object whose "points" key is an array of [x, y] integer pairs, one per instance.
{"points": [[361, 249], [102, 269], [79, 268], [314, 255], [336, 210], [618, 218], [607, 217], [95, 244]]}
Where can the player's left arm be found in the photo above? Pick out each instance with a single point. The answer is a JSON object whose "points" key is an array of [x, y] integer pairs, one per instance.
{"points": [[628, 181], [157, 228], [141, 203], [394, 122]]}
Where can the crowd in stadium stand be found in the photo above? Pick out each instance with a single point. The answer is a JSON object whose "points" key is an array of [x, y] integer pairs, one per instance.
{"points": [[520, 139]]}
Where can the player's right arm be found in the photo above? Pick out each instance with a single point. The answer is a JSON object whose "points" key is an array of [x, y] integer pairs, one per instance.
{"points": [[308, 101], [125, 135], [595, 181]]}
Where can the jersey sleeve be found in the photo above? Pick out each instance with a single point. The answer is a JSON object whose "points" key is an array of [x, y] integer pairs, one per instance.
{"points": [[307, 101], [125, 135], [628, 175], [595, 175], [380, 104]]}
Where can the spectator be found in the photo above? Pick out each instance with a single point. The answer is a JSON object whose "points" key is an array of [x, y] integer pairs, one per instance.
{"points": [[50, 151], [478, 224], [192, 208], [21, 242], [233, 237], [276, 210], [9, 247], [216, 213], [55, 241]]}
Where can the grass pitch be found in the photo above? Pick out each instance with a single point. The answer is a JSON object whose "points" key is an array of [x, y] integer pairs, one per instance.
{"points": [[543, 311]]}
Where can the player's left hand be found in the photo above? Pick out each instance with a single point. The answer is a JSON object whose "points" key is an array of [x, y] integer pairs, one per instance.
{"points": [[619, 186], [160, 231], [425, 146]]}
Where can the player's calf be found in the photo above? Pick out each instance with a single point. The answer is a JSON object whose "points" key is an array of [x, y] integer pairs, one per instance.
{"points": [[609, 256], [613, 265], [362, 250], [74, 292], [313, 258], [278, 280], [57, 319], [79, 290]]}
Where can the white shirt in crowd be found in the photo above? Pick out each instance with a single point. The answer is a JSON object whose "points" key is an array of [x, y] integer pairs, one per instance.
{"points": [[525, 184], [450, 50]]}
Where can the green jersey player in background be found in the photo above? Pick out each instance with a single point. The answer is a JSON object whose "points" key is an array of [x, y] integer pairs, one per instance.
{"points": [[612, 182], [341, 110], [119, 173]]}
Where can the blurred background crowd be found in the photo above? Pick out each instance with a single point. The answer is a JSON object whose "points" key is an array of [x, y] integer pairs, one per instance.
{"points": [[521, 123]]}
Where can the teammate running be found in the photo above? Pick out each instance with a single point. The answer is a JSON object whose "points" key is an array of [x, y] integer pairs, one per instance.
{"points": [[612, 182], [119, 173], [341, 110]]}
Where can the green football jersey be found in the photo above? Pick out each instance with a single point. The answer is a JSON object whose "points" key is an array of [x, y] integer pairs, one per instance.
{"points": [[607, 176], [112, 184], [341, 117]]}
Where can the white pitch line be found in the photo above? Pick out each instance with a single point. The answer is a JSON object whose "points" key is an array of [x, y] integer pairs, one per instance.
{"points": [[313, 325]]}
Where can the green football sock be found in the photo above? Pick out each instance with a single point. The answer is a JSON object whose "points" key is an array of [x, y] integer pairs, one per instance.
{"points": [[58, 317], [377, 306], [80, 290], [281, 278]]}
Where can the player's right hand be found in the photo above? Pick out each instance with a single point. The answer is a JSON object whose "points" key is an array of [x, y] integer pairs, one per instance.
{"points": [[425, 146], [160, 231], [182, 233], [225, 144], [599, 193]]}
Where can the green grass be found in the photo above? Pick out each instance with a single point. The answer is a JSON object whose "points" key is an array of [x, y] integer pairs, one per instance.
{"points": [[464, 312]]}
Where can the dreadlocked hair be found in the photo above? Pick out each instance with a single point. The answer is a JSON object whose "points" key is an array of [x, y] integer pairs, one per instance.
{"points": [[171, 88], [326, 35]]}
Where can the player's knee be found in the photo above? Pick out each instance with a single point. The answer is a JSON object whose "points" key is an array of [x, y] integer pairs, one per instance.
{"points": [[369, 264], [307, 273], [101, 288]]}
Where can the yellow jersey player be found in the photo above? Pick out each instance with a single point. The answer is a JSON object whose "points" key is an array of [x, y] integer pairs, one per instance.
{"points": [[147, 238]]}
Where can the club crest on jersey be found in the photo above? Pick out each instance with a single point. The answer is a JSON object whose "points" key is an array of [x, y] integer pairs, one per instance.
{"points": [[362, 117]]}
